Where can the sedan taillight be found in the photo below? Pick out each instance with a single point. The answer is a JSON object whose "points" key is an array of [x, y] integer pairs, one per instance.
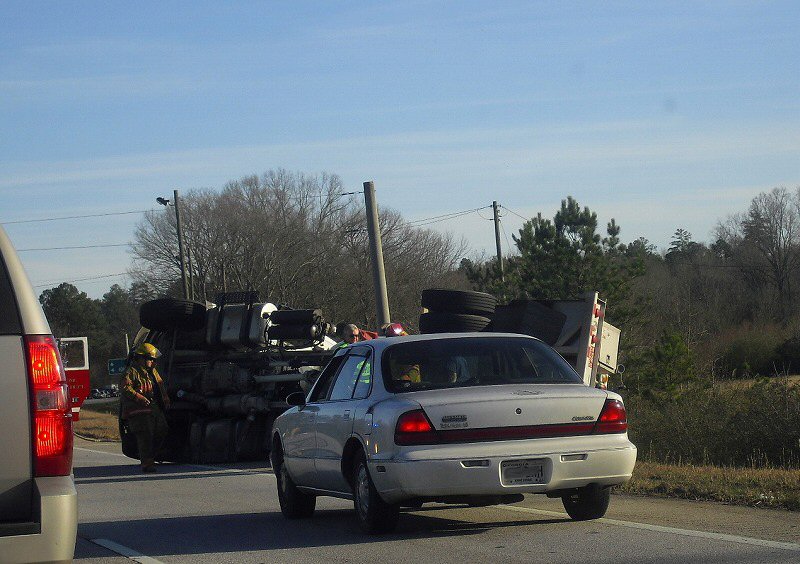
{"points": [[414, 428], [613, 418], [50, 410]]}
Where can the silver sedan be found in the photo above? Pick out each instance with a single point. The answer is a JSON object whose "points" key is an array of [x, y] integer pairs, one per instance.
{"points": [[470, 418]]}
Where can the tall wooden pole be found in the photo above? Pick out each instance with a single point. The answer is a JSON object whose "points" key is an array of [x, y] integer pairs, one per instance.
{"points": [[376, 252]]}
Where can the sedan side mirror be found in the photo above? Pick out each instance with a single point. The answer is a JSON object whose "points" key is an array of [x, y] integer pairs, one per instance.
{"points": [[295, 399]]}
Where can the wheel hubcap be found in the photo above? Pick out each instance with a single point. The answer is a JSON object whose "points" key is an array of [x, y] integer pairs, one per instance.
{"points": [[362, 491]]}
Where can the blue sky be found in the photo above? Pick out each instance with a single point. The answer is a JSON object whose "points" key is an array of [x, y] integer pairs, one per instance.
{"points": [[660, 115]]}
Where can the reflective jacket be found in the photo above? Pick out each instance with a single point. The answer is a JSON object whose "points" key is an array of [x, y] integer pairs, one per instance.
{"points": [[137, 393]]}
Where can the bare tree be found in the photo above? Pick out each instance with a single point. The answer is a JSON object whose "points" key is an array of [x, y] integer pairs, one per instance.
{"points": [[765, 243], [298, 241]]}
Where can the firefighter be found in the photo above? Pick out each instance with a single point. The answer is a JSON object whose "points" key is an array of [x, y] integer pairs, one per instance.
{"points": [[144, 399]]}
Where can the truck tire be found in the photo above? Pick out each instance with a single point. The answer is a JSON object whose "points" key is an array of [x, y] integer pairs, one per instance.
{"points": [[458, 301], [587, 503], [374, 515], [435, 322], [165, 314], [129, 446]]}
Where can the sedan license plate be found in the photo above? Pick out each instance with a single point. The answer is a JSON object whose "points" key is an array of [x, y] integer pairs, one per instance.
{"points": [[522, 472]]}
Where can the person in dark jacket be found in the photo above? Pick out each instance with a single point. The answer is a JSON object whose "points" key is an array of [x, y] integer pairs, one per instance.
{"points": [[143, 402]]}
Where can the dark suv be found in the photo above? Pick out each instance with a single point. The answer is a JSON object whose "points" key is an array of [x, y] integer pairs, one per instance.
{"points": [[38, 501]]}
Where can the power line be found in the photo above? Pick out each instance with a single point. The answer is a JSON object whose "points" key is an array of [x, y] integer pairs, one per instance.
{"points": [[484, 218], [455, 216], [42, 284], [75, 247], [76, 216], [515, 213], [502, 227], [444, 217]]}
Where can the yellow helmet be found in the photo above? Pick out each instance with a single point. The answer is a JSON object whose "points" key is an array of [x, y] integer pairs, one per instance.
{"points": [[147, 350]]}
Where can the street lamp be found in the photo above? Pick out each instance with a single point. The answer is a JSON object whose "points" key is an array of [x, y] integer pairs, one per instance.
{"points": [[165, 202]]}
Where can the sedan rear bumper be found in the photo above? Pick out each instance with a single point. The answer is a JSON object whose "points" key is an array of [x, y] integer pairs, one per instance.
{"points": [[469, 474]]}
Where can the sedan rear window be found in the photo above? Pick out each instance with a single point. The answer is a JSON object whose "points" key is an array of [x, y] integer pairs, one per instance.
{"points": [[473, 361]]}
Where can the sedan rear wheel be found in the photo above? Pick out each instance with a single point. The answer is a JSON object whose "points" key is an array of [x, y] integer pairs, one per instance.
{"points": [[294, 503], [587, 503], [374, 515]]}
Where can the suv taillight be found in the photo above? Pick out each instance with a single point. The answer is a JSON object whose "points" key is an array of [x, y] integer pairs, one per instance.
{"points": [[50, 408], [613, 418]]}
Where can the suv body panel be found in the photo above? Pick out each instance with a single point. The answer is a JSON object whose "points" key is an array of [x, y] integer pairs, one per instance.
{"points": [[38, 516], [16, 485]]}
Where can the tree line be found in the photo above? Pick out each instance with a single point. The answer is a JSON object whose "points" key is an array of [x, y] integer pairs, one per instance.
{"points": [[105, 322], [720, 310], [723, 309]]}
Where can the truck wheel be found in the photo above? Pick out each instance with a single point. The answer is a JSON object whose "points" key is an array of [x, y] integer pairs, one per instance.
{"points": [[171, 313], [374, 515], [587, 503], [294, 503], [129, 446], [435, 322], [458, 301]]}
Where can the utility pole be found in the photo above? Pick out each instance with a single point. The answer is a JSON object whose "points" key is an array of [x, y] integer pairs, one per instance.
{"points": [[191, 276], [180, 244], [495, 207], [376, 253]]}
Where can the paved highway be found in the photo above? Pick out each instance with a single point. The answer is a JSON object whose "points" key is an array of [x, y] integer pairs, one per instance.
{"points": [[230, 513]]}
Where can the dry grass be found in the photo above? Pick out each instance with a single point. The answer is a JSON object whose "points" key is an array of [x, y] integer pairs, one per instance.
{"points": [[747, 383], [97, 425], [762, 487]]}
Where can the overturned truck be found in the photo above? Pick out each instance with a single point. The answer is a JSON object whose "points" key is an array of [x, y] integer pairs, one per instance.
{"points": [[228, 367]]}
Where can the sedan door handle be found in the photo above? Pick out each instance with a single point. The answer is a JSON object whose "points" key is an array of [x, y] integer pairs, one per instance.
{"points": [[347, 413]]}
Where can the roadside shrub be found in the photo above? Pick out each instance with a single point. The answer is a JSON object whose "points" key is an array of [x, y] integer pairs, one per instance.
{"points": [[662, 369], [788, 355], [755, 425], [752, 352]]}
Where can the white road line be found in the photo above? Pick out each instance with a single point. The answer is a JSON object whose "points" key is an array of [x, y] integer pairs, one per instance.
{"points": [[128, 553], [661, 529], [99, 451]]}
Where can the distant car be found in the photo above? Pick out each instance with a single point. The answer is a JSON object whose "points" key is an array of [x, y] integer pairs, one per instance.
{"points": [[109, 392], [95, 394], [38, 501], [455, 418]]}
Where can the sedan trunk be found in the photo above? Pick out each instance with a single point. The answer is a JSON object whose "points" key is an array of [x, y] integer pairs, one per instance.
{"points": [[513, 406]]}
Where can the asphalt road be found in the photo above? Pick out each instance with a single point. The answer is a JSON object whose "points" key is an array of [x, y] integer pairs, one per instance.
{"points": [[230, 513]]}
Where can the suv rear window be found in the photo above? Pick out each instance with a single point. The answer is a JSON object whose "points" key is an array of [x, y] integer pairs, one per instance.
{"points": [[473, 361], [10, 323]]}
